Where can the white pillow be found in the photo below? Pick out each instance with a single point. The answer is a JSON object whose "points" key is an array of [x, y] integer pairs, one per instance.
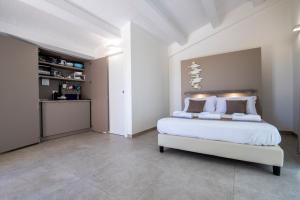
{"points": [[209, 106], [221, 105], [251, 105], [251, 101]]}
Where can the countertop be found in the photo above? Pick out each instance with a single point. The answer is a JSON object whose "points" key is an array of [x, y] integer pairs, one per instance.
{"points": [[63, 101]]}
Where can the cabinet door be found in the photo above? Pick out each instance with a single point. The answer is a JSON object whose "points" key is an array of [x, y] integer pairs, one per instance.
{"points": [[96, 89], [65, 116], [19, 115]]}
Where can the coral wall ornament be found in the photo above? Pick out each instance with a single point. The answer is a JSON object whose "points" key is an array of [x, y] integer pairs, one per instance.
{"points": [[194, 74]]}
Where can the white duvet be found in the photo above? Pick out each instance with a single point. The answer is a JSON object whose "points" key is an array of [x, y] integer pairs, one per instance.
{"points": [[254, 133]]}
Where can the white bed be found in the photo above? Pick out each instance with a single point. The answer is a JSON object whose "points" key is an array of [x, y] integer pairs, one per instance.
{"points": [[254, 133], [247, 141]]}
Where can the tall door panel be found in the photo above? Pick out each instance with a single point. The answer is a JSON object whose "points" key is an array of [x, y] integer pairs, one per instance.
{"points": [[96, 89], [116, 94], [19, 115]]}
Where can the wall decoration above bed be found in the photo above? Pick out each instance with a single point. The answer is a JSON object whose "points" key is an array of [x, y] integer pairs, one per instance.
{"points": [[238, 70], [194, 74]]}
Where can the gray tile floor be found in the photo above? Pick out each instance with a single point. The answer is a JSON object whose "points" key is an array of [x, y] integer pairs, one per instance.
{"points": [[102, 166]]}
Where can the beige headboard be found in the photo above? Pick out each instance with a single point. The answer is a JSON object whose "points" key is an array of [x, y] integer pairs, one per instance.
{"points": [[231, 71]]}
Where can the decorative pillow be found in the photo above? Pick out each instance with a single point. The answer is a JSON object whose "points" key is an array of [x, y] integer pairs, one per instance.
{"points": [[210, 103], [251, 107], [196, 106], [236, 106], [251, 101], [221, 105]]}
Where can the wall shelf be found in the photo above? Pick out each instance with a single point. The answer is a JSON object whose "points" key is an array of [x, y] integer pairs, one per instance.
{"points": [[47, 64], [59, 78]]}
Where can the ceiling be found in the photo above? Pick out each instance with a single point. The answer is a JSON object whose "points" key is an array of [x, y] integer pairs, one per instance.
{"points": [[85, 28]]}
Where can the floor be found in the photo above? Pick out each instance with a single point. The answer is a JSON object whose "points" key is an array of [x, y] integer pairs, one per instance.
{"points": [[102, 166]]}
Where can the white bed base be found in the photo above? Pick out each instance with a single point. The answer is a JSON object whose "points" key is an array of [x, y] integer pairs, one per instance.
{"points": [[268, 155]]}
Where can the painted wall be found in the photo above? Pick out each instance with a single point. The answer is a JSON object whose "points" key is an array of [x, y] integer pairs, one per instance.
{"points": [[149, 73], [268, 27], [126, 46], [145, 81], [239, 70], [296, 57]]}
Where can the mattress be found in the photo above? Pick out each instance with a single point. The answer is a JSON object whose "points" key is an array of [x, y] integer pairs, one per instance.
{"points": [[253, 133]]}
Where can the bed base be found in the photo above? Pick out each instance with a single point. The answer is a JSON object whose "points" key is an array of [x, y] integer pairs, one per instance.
{"points": [[268, 155], [161, 149], [276, 170]]}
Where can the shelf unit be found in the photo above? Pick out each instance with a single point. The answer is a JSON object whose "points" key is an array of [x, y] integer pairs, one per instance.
{"points": [[59, 73], [47, 64], [59, 78]]}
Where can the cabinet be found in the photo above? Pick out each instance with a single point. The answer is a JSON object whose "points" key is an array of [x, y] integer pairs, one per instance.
{"points": [[64, 116]]}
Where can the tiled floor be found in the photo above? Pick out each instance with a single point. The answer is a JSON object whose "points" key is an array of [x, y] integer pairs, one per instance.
{"points": [[102, 166]]}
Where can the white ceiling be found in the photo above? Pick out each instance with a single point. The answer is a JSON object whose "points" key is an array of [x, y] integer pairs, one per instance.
{"points": [[82, 27]]}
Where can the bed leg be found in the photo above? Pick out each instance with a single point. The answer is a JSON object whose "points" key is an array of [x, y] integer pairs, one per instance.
{"points": [[276, 170], [161, 149]]}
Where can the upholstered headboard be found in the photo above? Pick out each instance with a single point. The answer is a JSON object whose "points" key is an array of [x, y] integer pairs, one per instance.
{"points": [[225, 93]]}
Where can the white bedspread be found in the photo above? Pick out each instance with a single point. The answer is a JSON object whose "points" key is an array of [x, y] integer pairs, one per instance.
{"points": [[254, 133]]}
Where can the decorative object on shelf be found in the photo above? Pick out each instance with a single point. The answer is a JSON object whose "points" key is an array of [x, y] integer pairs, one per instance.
{"points": [[62, 62], [44, 72], [194, 74], [69, 64], [78, 65], [45, 82], [54, 94], [79, 76], [60, 78]]}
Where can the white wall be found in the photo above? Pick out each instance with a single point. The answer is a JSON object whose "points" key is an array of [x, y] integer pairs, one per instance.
{"points": [[149, 73], [126, 46], [146, 82], [268, 27], [296, 57]]}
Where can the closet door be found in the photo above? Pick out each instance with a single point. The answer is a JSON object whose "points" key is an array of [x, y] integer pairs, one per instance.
{"points": [[116, 94], [19, 114], [96, 89]]}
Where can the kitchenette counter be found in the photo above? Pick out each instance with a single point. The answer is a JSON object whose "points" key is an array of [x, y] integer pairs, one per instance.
{"points": [[64, 116]]}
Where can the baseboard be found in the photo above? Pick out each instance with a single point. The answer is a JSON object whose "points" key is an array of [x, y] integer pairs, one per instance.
{"points": [[52, 137], [141, 133]]}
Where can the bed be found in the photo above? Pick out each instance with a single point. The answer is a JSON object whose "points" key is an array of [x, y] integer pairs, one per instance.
{"points": [[256, 142]]}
